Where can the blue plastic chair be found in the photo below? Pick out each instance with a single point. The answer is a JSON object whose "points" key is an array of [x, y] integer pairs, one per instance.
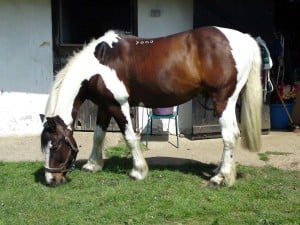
{"points": [[152, 116]]}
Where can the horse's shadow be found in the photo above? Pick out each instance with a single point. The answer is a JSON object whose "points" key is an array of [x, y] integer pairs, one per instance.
{"points": [[187, 166], [39, 176], [122, 165]]}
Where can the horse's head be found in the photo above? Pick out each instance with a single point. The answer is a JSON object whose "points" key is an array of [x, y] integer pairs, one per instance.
{"points": [[60, 150]]}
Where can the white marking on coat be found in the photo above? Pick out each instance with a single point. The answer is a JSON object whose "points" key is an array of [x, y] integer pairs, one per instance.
{"points": [[243, 56], [46, 150], [241, 51]]}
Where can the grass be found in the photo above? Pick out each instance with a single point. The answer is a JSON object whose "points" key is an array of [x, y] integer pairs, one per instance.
{"points": [[169, 195], [265, 156]]}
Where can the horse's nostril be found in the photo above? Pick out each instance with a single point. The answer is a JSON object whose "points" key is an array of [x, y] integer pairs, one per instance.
{"points": [[63, 180], [53, 182]]}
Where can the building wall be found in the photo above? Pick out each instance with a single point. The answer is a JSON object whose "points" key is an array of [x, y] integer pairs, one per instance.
{"points": [[26, 72], [26, 46], [175, 16]]}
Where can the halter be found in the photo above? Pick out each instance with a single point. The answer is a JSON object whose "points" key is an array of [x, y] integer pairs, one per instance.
{"points": [[63, 168]]}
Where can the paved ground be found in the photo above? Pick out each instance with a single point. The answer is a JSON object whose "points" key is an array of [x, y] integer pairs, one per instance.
{"points": [[161, 150]]}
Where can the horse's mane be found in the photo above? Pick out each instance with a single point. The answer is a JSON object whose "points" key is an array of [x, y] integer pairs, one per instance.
{"points": [[58, 81]]}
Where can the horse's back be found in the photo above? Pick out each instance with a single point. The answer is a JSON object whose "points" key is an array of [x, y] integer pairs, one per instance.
{"points": [[178, 66]]}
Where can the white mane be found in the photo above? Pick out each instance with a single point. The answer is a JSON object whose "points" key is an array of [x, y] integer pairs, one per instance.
{"points": [[82, 65]]}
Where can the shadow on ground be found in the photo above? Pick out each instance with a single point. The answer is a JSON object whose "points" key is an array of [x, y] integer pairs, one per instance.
{"points": [[121, 165], [124, 165], [39, 176]]}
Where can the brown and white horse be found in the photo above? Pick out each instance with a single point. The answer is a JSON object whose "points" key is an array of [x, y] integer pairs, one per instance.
{"points": [[117, 71]]}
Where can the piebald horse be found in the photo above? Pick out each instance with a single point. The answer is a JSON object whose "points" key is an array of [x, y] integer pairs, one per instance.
{"points": [[117, 71]]}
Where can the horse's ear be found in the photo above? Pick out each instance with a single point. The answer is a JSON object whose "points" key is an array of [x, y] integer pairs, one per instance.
{"points": [[101, 51], [42, 117], [51, 123]]}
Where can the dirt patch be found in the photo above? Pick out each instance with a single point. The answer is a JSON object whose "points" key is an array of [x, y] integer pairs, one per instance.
{"points": [[162, 151]]}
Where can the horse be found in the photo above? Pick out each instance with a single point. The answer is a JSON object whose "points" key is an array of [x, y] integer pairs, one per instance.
{"points": [[117, 71]]}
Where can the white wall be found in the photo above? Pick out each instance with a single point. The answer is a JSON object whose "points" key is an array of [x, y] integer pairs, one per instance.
{"points": [[26, 72], [26, 46], [175, 16], [21, 113]]}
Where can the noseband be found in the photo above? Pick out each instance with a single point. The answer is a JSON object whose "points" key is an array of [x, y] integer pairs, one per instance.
{"points": [[64, 166]]}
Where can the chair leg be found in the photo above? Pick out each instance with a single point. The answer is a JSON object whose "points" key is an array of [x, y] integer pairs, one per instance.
{"points": [[177, 130], [147, 132]]}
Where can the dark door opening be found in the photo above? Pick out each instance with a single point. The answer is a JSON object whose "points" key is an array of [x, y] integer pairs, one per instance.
{"points": [[82, 20]]}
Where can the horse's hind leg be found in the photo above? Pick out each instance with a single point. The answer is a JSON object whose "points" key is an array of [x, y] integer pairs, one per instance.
{"points": [[140, 167], [230, 132], [95, 161]]}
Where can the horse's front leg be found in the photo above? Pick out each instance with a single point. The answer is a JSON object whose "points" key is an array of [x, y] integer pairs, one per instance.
{"points": [[95, 161], [140, 167], [226, 173]]}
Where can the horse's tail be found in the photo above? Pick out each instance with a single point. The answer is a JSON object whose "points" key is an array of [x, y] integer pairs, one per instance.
{"points": [[251, 111]]}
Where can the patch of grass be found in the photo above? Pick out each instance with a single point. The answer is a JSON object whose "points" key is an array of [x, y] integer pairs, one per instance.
{"points": [[169, 195], [265, 156], [277, 153], [121, 150], [117, 151]]}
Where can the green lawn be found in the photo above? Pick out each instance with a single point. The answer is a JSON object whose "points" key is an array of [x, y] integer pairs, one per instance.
{"points": [[169, 195]]}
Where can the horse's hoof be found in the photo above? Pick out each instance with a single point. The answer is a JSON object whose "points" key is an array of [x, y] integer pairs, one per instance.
{"points": [[136, 175], [214, 184], [86, 170], [139, 174], [89, 167], [221, 180]]}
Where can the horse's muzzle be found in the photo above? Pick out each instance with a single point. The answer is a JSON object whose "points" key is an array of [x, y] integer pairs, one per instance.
{"points": [[55, 179]]}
